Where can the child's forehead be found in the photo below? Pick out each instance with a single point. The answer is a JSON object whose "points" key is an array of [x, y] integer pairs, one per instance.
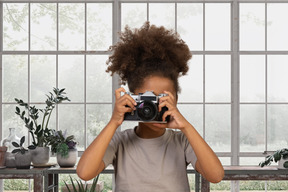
{"points": [[157, 84]]}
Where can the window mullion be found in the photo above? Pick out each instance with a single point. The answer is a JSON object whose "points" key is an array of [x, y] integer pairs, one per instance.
{"points": [[235, 107], [116, 27], [1, 49]]}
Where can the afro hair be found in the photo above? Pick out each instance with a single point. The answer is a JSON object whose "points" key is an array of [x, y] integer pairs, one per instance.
{"points": [[148, 51]]}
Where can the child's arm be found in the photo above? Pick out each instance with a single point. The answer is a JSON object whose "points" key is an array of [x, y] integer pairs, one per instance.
{"points": [[91, 163], [207, 164]]}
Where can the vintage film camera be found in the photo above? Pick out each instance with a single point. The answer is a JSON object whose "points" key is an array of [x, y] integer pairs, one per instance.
{"points": [[146, 108]]}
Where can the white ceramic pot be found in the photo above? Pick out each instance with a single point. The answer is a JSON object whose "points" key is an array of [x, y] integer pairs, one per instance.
{"points": [[68, 161], [23, 161], [40, 155]]}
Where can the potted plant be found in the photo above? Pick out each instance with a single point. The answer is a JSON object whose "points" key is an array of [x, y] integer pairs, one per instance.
{"points": [[40, 131], [65, 147], [280, 156], [23, 156], [79, 187]]}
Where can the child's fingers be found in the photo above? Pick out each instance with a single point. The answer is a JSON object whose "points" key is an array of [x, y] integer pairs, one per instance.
{"points": [[167, 113], [165, 103], [170, 95], [118, 92], [127, 100]]}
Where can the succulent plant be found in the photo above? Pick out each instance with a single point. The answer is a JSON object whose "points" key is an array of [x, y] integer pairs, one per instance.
{"points": [[60, 143], [79, 187]]}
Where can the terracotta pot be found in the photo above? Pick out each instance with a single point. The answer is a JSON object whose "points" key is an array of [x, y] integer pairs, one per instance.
{"points": [[40, 155], [69, 161], [3, 150]]}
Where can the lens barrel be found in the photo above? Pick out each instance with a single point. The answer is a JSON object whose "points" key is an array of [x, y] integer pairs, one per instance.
{"points": [[147, 110]]}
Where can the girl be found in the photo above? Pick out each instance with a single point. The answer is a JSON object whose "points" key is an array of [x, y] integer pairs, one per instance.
{"points": [[150, 157]]}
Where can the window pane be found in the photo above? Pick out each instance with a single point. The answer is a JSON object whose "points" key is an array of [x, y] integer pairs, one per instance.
{"points": [[99, 26], [252, 78], [99, 83], [252, 26], [43, 76], [192, 83], [225, 161], [133, 14], [250, 160], [277, 26], [15, 25], [43, 26], [15, 77], [162, 14], [218, 126], [71, 76], [194, 114], [277, 127], [218, 78], [252, 128], [71, 118], [190, 24], [277, 78], [11, 120], [71, 26], [217, 26], [97, 118]]}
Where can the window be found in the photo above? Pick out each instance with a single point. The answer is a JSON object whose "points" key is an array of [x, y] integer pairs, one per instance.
{"points": [[234, 93]]}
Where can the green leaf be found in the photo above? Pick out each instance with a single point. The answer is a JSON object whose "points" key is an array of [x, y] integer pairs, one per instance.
{"points": [[285, 164], [26, 120], [22, 140], [15, 144], [73, 185], [38, 129], [16, 150], [18, 110], [67, 187], [277, 156], [31, 147], [31, 125], [80, 186]]}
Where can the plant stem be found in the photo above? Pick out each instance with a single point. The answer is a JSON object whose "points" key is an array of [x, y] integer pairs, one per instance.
{"points": [[49, 117]]}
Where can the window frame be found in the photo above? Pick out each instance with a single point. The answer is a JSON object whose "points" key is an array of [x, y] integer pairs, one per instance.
{"points": [[234, 52]]}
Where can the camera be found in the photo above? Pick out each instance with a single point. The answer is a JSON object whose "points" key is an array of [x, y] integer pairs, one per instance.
{"points": [[147, 108]]}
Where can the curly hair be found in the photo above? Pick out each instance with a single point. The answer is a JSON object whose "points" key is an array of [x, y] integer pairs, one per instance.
{"points": [[148, 51]]}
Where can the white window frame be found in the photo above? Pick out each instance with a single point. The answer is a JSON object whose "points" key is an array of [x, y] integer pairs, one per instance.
{"points": [[234, 52]]}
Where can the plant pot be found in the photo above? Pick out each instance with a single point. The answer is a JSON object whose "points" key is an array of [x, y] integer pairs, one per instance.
{"points": [[23, 161], [281, 163], [40, 155], [3, 150], [10, 160], [69, 161]]}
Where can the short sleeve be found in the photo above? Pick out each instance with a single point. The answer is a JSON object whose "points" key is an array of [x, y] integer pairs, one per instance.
{"points": [[189, 152], [112, 148]]}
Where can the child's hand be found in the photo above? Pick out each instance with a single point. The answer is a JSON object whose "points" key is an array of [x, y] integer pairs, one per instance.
{"points": [[123, 104], [177, 121]]}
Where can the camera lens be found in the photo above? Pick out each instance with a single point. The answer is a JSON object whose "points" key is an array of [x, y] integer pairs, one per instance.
{"points": [[147, 111]]}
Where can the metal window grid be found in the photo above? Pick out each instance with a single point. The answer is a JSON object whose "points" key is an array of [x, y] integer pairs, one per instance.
{"points": [[234, 53]]}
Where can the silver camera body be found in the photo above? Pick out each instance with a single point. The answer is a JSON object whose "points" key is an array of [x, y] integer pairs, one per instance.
{"points": [[147, 108]]}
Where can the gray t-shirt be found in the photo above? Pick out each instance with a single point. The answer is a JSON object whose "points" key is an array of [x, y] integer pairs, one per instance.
{"points": [[150, 165]]}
